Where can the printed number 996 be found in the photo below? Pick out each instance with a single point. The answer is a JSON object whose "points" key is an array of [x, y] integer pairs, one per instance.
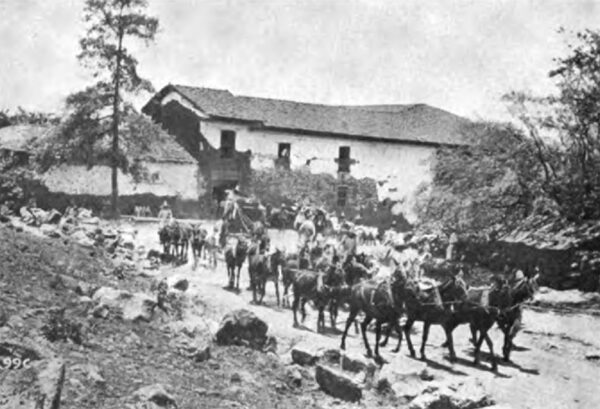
{"points": [[14, 363]]}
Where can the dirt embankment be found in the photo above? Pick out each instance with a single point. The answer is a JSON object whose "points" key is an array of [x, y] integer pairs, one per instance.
{"points": [[38, 276]]}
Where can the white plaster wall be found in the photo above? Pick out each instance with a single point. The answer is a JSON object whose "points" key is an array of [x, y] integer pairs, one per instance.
{"points": [[400, 167], [174, 179]]}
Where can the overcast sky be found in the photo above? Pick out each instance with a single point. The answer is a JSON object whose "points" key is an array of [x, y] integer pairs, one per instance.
{"points": [[457, 55]]}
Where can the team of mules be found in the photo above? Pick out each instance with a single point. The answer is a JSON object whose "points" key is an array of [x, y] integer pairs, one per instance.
{"points": [[326, 281], [448, 304], [318, 274], [177, 238]]}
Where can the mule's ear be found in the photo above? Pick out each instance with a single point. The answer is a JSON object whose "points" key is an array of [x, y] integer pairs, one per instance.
{"points": [[396, 262], [536, 278]]}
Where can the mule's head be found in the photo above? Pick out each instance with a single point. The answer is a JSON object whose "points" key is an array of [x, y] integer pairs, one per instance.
{"points": [[277, 259], [525, 288], [455, 288]]}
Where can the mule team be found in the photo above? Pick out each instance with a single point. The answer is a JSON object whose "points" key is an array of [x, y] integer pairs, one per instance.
{"points": [[384, 288]]}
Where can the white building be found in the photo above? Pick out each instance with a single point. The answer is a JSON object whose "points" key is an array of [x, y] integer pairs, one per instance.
{"points": [[393, 144]]}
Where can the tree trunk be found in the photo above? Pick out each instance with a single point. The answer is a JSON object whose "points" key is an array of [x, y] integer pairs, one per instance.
{"points": [[114, 203]]}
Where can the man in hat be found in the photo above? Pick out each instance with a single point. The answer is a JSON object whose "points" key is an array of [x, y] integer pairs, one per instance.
{"points": [[165, 214]]}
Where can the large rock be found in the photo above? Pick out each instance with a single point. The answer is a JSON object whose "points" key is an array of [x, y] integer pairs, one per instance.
{"points": [[360, 365], [133, 306], [36, 375], [127, 241], [332, 356], [82, 238], [242, 327], [197, 350], [406, 380], [467, 395], [304, 356], [50, 230], [337, 384], [156, 394], [357, 363]]}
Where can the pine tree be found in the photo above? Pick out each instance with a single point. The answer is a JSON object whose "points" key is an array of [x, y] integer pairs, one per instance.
{"points": [[110, 24]]}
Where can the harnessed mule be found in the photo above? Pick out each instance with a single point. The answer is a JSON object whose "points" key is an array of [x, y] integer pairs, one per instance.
{"points": [[382, 301]]}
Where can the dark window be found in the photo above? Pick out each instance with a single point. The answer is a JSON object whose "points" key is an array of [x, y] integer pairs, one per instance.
{"points": [[284, 150], [283, 156], [227, 143], [342, 196], [344, 159]]}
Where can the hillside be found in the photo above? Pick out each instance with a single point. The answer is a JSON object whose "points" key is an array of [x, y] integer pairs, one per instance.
{"points": [[119, 357]]}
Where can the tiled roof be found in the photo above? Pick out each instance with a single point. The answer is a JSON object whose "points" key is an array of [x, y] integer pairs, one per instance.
{"points": [[418, 123], [25, 138]]}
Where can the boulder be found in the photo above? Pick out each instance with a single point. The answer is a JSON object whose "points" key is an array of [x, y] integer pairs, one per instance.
{"points": [[242, 327], [82, 238], [156, 394], [91, 372], [593, 356], [304, 356], [133, 306], [127, 241], [85, 289], [64, 281], [467, 395], [337, 384], [197, 350], [182, 284], [35, 376], [354, 362], [404, 381], [153, 254], [470, 394], [332, 356], [50, 230], [92, 221], [293, 377]]}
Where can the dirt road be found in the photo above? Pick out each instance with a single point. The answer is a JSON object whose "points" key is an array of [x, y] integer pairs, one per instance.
{"points": [[549, 370]]}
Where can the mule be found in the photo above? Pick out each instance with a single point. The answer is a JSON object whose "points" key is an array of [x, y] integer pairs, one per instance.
{"points": [[292, 263], [263, 268], [165, 239], [508, 320], [198, 242], [481, 309], [309, 285], [379, 300], [234, 259], [434, 305]]}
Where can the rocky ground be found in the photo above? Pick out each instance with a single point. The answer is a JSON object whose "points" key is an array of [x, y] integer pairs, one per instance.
{"points": [[123, 350]]}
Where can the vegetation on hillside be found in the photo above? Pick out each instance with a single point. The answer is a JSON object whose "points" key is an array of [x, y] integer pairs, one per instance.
{"points": [[549, 166]]}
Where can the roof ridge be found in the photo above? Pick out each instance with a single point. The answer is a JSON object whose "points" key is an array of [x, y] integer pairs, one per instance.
{"points": [[407, 122]]}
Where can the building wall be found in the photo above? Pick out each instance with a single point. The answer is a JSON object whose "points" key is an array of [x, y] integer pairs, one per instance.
{"points": [[399, 168], [172, 180]]}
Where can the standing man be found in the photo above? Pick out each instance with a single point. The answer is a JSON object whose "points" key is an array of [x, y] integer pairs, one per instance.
{"points": [[165, 214], [451, 246]]}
